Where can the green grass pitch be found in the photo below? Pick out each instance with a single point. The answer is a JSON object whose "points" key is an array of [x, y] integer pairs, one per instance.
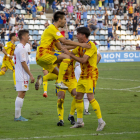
{"points": [[117, 91]]}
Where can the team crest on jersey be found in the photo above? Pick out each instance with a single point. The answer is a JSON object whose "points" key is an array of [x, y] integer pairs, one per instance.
{"points": [[25, 86], [84, 51], [58, 33]]}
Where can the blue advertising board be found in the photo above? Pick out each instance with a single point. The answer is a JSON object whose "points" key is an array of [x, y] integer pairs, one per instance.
{"points": [[107, 57]]}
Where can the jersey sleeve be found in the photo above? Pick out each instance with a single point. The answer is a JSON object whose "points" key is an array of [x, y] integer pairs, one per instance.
{"points": [[90, 51], [56, 33], [7, 46], [75, 51], [23, 54]]}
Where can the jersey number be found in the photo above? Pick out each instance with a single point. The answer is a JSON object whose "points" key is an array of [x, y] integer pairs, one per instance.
{"points": [[15, 58]]}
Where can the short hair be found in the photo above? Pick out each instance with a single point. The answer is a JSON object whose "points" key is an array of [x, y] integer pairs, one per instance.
{"points": [[21, 33], [57, 15], [84, 30], [11, 35]]}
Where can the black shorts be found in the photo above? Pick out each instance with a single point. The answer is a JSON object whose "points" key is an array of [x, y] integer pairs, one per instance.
{"points": [[134, 30], [115, 24], [130, 15]]}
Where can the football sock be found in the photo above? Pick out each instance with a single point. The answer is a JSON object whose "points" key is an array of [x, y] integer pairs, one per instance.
{"points": [[60, 108], [2, 73], [96, 108], [73, 106], [14, 77], [45, 85], [50, 76], [79, 107], [18, 106], [62, 69], [86, 102]]}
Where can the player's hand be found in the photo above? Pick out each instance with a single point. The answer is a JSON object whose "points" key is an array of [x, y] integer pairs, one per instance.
{"points": [[11, 57], [32, 79], [65, 50], [85, 45]]}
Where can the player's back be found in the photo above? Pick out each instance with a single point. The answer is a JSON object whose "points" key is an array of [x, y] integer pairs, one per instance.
{"points": [[9, 47], [21, 55], [49, 37]]}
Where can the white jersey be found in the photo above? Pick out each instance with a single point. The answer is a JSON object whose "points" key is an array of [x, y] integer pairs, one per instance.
{"points": [[21, 55], [27, 47]]}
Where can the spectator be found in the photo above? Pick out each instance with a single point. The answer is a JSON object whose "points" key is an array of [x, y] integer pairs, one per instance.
{"points": [[106, 18], [135, 17], [79, 5], [105, 3], [128, 26], [120, 11], [15, 29], [134, 27], [1, 46], [43, 4], [22, 20], [70, 9], [68, 3], [111, 4], [70, 35], [34, 10], [93, 21], [115, 22], [12, 11], [115, 9], [99, 23], [21, 27], [54, 4], [36, 2], [125, 12], [39, 9], [17, 18], [85, 16], [3, 36], [77, 22], [108, 44], [137, 9], [79, 15], [100, 5], [63, 4], [116, 3], [12, 21], [1, 6], [110, 31], [138, 30], [7, 15], [130, 10], [29, 1], [115, 36], [130, 2], [123, 45], [23, 4], [1, 21], [93, 3], [34, 45], [138, 19], [119, 25], [13, 4], [47, 6], [4, 21], [29, 7], [123, 3], [137, 47]]}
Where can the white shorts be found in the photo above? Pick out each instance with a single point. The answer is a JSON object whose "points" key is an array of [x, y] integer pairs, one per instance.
{"points": [[22, 85], [77, 72]]}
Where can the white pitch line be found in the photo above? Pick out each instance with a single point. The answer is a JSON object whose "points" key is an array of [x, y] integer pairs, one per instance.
{"points": [[120, 79], [58, 136]]}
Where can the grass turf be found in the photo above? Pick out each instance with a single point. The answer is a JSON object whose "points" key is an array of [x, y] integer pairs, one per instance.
{"points": [[117, 92]]}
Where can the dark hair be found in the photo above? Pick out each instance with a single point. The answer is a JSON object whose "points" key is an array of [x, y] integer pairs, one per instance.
{"points": [[21, 33], [11, 35], [84, 30], [57, 15]]}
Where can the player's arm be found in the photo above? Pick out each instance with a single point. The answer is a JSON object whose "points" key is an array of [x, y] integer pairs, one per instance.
{"points": [[72, 43], [98, 57], [4, 51], [25, 67]]}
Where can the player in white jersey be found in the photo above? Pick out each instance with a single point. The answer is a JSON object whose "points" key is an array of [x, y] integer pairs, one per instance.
{"points": [[22, 73], [77, 75], [28, 48]]}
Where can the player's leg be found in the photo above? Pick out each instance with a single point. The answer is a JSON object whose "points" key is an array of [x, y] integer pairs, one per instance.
{"points": [[21, 88], [3, 70], [60, 107], [79, 107], [86, 105], [65, 60], [45, 84], [96, 107], [14, 78], [73, 107]]}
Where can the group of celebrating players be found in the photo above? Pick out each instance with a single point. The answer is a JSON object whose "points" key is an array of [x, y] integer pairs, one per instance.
{"points": [[57, 56]]}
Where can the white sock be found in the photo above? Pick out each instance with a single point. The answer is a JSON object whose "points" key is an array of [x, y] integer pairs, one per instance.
{"points": [[18, 106], [100, 120], [86, 102], [79, 119]]}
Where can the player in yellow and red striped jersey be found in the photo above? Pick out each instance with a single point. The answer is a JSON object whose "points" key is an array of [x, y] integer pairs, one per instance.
{"points": [[8, 51]]}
